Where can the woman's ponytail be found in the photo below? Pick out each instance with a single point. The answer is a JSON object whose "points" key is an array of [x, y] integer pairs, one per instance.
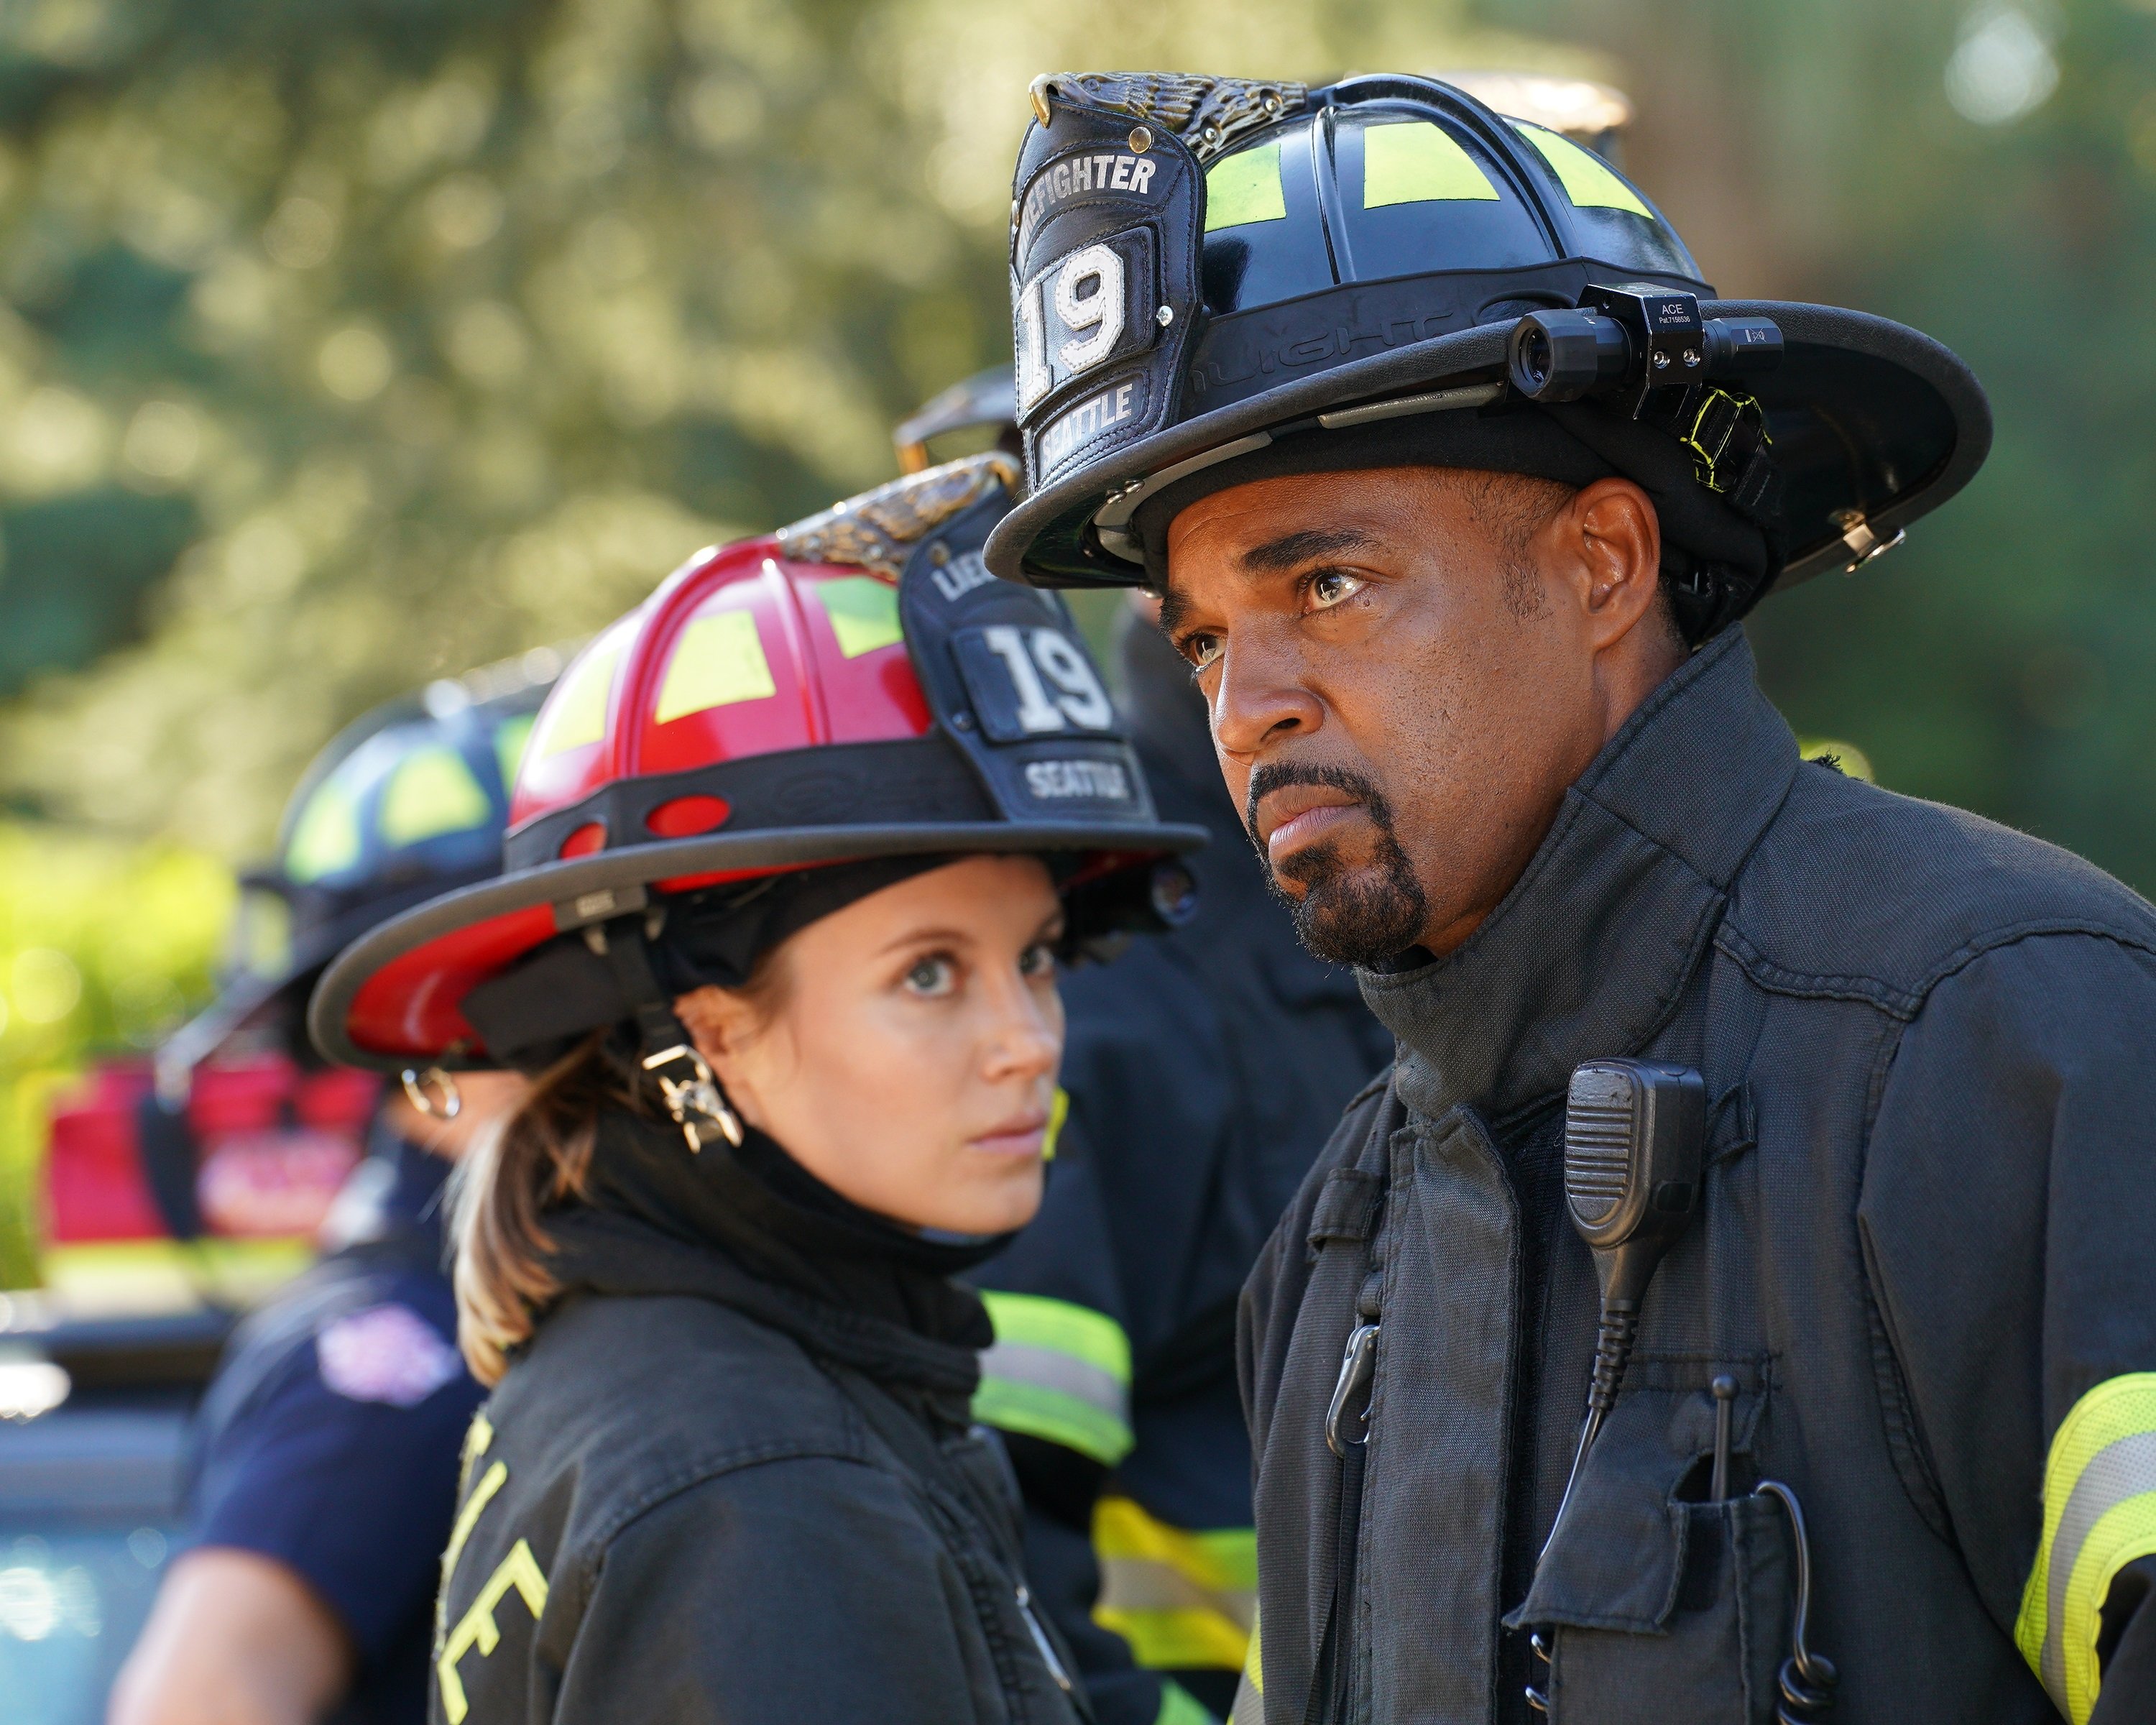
{"points": [[537, 1160]]}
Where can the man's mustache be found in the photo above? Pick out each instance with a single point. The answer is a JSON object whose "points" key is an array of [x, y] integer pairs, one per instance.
{"points": [[1276, 775]]}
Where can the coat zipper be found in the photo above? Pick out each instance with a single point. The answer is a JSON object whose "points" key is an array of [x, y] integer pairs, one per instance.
{"points": [[1041, 1641]]}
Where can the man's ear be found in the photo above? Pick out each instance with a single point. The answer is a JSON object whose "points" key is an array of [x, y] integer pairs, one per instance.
{"points": [[1618, 539]]}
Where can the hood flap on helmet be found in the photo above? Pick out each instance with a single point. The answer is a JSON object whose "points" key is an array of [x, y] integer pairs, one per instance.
{"points": [[1008, 677]]}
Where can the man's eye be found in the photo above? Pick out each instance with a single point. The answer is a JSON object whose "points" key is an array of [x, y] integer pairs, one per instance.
{"points": [[1202, 650], [1036, 961], [1330, 587], [933, 976]]}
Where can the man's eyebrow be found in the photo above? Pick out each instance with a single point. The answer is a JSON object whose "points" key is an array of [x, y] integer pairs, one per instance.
{"points": [[1174, 608], [1293, 550]]}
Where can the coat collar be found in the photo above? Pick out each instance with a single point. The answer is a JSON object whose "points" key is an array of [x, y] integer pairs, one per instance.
{"points": [[1590, 953]]}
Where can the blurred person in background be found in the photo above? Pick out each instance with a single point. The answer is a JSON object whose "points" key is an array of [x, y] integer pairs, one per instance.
{"points": [[797, 844], [327, 1444], [1205, 1068]]}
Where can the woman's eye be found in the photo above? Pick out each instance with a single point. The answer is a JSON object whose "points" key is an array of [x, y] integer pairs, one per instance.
{"points": [[1331, 586], [1036, 961], [933, 976], [1202, 650]]}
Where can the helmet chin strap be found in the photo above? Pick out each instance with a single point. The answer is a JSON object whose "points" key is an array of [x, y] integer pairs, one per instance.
{"points": [[690, 1089]]}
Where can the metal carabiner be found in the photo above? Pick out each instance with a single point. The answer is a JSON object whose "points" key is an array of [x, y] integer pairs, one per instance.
{"points": [[452, 1102], [1356, 1361]]}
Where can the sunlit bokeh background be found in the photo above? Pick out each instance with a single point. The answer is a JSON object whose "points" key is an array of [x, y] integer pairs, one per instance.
{"points": [[349, 344]]}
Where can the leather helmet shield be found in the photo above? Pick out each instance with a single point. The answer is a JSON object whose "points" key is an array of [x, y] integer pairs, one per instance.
{"points": [[1105, 248], [1009, 681]]}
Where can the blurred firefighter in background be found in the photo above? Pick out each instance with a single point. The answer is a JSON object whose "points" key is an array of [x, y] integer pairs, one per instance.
{"points": [[1204, 1068], [327, 1446]]}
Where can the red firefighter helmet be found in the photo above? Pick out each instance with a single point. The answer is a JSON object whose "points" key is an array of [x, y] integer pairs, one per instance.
{"points": [[857, 685]]}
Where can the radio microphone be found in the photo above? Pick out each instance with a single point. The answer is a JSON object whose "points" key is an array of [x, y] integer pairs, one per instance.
{"points": [[1635, 1135]]}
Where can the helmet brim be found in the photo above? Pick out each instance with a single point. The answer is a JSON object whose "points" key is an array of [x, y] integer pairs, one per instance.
{"points": [[294, 976], [1888, 425], [392, 999]]}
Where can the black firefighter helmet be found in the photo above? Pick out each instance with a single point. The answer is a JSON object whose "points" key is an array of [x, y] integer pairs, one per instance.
{"points": [[1218, 279]]}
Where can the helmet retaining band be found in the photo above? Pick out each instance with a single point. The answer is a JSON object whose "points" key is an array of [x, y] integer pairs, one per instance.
{"points": [[910, 781], [1724, 561]]}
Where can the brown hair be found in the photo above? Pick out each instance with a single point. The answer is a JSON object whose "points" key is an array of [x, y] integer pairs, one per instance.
{"points": [[538, 1160]]}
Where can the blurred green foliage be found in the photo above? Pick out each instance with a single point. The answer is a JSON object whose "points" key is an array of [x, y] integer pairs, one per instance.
{"points": [[104, 944], [435, 331], [345, 343]]}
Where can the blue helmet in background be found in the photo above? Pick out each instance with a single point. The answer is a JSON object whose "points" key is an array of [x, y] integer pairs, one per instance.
{"points": [[406, 803]]}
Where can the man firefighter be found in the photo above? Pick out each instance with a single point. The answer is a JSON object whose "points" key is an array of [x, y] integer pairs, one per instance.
{"points": [[1793, 1131], [1203, 1068], [327, 1459]]}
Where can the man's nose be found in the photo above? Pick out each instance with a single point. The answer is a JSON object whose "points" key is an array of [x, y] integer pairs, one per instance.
{"points": [[1261, 695]]}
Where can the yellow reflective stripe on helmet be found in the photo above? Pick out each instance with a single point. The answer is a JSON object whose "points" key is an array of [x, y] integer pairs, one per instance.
{"points": [[431, 792], [1589, 180], [718, 660], [509, 738], [576, 713], [326, 837], [1245, 188], [1179, 1706], [1058, 1372], [2099, 1516], [864, 612], [1180, 1599], [1415, 162]]}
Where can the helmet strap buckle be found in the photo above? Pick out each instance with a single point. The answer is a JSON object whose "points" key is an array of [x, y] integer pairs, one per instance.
{"points": [[693, 1097]]}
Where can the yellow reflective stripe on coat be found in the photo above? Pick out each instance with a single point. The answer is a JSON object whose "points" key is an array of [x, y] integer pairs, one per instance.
{"points": [[492, 1482], [2099, 1516], [1249, 1707], [1058, 1372], [477, 1627], [1184, 1600], [1179, 1706]]}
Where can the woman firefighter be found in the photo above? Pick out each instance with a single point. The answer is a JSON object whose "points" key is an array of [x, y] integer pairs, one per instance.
{"points": [[794, 852]]}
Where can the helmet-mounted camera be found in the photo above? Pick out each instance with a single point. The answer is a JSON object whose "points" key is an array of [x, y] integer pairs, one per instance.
{"points": [[1648, 352], [1632, 342]]}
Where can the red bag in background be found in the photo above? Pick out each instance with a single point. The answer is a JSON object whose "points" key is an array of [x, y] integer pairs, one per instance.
{"points": [[259, 1152]]}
